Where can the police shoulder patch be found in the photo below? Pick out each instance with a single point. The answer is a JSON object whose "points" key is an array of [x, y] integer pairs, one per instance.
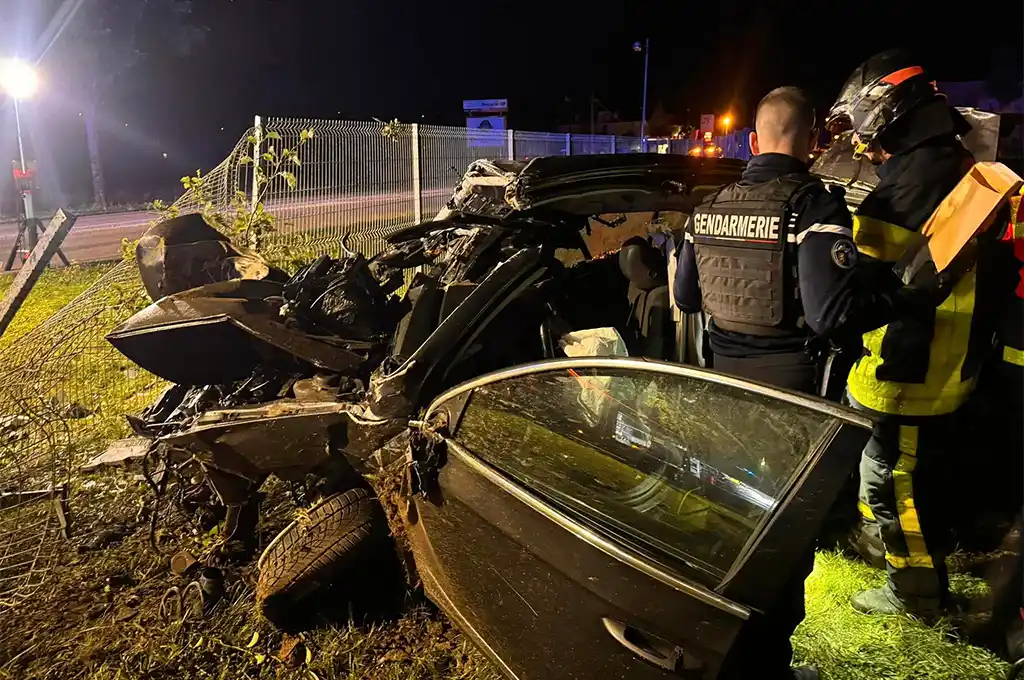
{"points": [[844, 254]]}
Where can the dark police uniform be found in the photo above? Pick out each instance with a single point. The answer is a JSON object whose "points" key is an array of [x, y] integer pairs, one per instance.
{"points": [[918, 370], [772, 261]]}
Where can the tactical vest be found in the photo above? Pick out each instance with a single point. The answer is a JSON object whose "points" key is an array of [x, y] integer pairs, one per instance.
{"points": [[744, 241]]}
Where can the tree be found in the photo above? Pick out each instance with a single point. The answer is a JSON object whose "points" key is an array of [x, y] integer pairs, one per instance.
{"points": [[104, 40]]}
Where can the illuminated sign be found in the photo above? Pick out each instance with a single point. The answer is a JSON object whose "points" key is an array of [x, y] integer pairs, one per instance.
{"points": [[485, 105]]}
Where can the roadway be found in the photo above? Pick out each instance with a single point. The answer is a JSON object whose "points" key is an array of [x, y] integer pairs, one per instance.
{"points": [[96, 238], [93, 237]]}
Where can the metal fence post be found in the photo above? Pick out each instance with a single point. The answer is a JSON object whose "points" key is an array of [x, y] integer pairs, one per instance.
{"points": [[417, 194], [613, 145], [257, 126], [568, 143], [511, 146]]}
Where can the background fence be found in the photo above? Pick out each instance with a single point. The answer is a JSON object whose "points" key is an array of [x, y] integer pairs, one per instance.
{"points": [[64, 391], [368, 179]]}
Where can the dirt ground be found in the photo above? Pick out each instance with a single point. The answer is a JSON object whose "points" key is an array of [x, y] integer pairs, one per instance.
{"points": [[99, 616]]}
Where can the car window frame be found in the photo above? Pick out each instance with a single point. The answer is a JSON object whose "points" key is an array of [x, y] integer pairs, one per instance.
{"points": [[733, 583]]}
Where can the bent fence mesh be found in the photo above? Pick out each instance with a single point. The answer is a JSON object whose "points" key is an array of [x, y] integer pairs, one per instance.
{"points": [[64, 391]]}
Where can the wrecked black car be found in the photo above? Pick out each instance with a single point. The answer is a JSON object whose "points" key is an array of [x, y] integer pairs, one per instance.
{"points": [[580, 502]]}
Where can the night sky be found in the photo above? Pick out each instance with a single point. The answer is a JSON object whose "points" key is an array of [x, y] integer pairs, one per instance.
{"points": [[417, 61]]}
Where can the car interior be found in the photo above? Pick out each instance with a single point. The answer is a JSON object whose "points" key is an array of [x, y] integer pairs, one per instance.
{"points": [[626, 288]]}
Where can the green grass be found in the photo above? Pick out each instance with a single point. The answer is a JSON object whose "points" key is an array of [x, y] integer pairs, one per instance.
{"points": [[54, 289], [848, 645]]}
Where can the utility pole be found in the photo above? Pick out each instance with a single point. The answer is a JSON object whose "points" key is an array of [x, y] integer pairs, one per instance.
{"points": [[643, 114], [31, 232], [591, 114]]}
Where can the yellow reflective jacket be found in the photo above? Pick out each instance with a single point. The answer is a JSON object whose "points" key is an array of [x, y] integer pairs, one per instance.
{"points": [[926, 365]]}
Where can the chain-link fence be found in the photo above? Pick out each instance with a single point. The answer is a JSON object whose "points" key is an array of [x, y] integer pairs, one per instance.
{"points": [[64, 394], [64, 391]]}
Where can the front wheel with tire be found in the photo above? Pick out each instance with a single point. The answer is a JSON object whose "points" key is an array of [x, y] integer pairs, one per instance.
{"points": [[330, 540]]}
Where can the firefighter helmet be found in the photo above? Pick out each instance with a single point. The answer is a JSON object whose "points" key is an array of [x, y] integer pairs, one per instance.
{"points": [[877, 94]]}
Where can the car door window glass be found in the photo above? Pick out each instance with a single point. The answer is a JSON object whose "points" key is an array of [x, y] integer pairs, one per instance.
{"points": [[670, 464]]}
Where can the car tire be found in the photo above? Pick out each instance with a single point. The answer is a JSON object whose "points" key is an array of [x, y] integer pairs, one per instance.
{"points": [[336, 536]]}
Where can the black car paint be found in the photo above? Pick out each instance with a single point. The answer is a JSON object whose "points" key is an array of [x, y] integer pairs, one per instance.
{"points": [[539, 589]]}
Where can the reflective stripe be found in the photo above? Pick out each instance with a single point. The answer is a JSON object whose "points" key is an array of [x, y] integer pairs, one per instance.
{"points": [[941, 388], [1012, 355], [897, 77], [865, 511], [1016, 217], [818, 228], [688, 237], [1015, 235], [880, 239], [906, 510], [909, 562]]}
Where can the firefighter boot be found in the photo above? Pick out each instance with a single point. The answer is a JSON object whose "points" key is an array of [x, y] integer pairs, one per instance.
{"points": [[877, 601], [886, 601]]}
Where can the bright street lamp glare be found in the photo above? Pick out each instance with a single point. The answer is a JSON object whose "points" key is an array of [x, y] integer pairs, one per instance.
{"points": [[18, 79], [727, 121]]}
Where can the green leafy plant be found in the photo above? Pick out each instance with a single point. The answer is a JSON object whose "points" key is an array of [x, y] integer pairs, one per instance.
{"points": [[245, 219], [252, 223], [393, 129]]}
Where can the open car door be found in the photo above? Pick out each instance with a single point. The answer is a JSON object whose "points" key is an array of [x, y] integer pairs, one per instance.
{"points": [[614, 518]]}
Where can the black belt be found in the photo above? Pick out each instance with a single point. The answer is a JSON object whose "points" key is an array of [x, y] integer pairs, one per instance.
{"points": [[752, 329]]}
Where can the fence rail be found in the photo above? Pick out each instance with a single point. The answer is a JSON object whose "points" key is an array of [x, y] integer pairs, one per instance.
{"points": [[365, 180]]}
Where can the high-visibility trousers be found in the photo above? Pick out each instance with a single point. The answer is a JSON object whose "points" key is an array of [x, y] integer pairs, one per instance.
{"points": [[904, 470]]}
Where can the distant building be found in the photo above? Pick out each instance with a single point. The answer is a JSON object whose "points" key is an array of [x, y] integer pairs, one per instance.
{"points": [[605, 123], [660, 124]]}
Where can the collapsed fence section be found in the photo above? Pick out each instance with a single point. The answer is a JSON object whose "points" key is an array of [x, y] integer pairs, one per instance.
{"points": [[64, 395]]}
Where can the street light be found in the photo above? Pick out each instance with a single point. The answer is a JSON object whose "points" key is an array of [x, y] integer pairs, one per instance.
{"points": [[727, 121], [646, 49], [20, 81]]}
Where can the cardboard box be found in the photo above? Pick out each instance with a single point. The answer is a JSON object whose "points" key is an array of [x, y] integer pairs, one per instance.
{"points": [[969, 209]]}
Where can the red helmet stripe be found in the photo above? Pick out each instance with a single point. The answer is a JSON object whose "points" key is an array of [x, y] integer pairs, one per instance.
{"points": [[897, 77]]}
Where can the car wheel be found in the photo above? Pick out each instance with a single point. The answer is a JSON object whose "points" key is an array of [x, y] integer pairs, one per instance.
{"points": [[333, 537]]}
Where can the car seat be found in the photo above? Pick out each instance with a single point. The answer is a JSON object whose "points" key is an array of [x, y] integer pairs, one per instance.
{"points": [[650, 328], [421, 320]]}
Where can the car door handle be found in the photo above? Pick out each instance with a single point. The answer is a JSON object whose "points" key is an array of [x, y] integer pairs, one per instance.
{"points": [[650, 648]]}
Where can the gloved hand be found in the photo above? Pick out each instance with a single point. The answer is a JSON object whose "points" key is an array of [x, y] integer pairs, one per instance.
{"points": [[929, 286]]}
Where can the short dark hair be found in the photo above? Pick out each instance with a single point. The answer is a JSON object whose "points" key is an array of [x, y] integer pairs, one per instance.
{"points": [[787, 111]]}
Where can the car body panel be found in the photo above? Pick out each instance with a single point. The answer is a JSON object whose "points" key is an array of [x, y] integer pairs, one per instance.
{"points": [[544, 589], [526, 572], [220, 333], [589, 185]]}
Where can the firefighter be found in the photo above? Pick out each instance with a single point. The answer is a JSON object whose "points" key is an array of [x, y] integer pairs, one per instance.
{"points": [[772, 261], [917, 371]]}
